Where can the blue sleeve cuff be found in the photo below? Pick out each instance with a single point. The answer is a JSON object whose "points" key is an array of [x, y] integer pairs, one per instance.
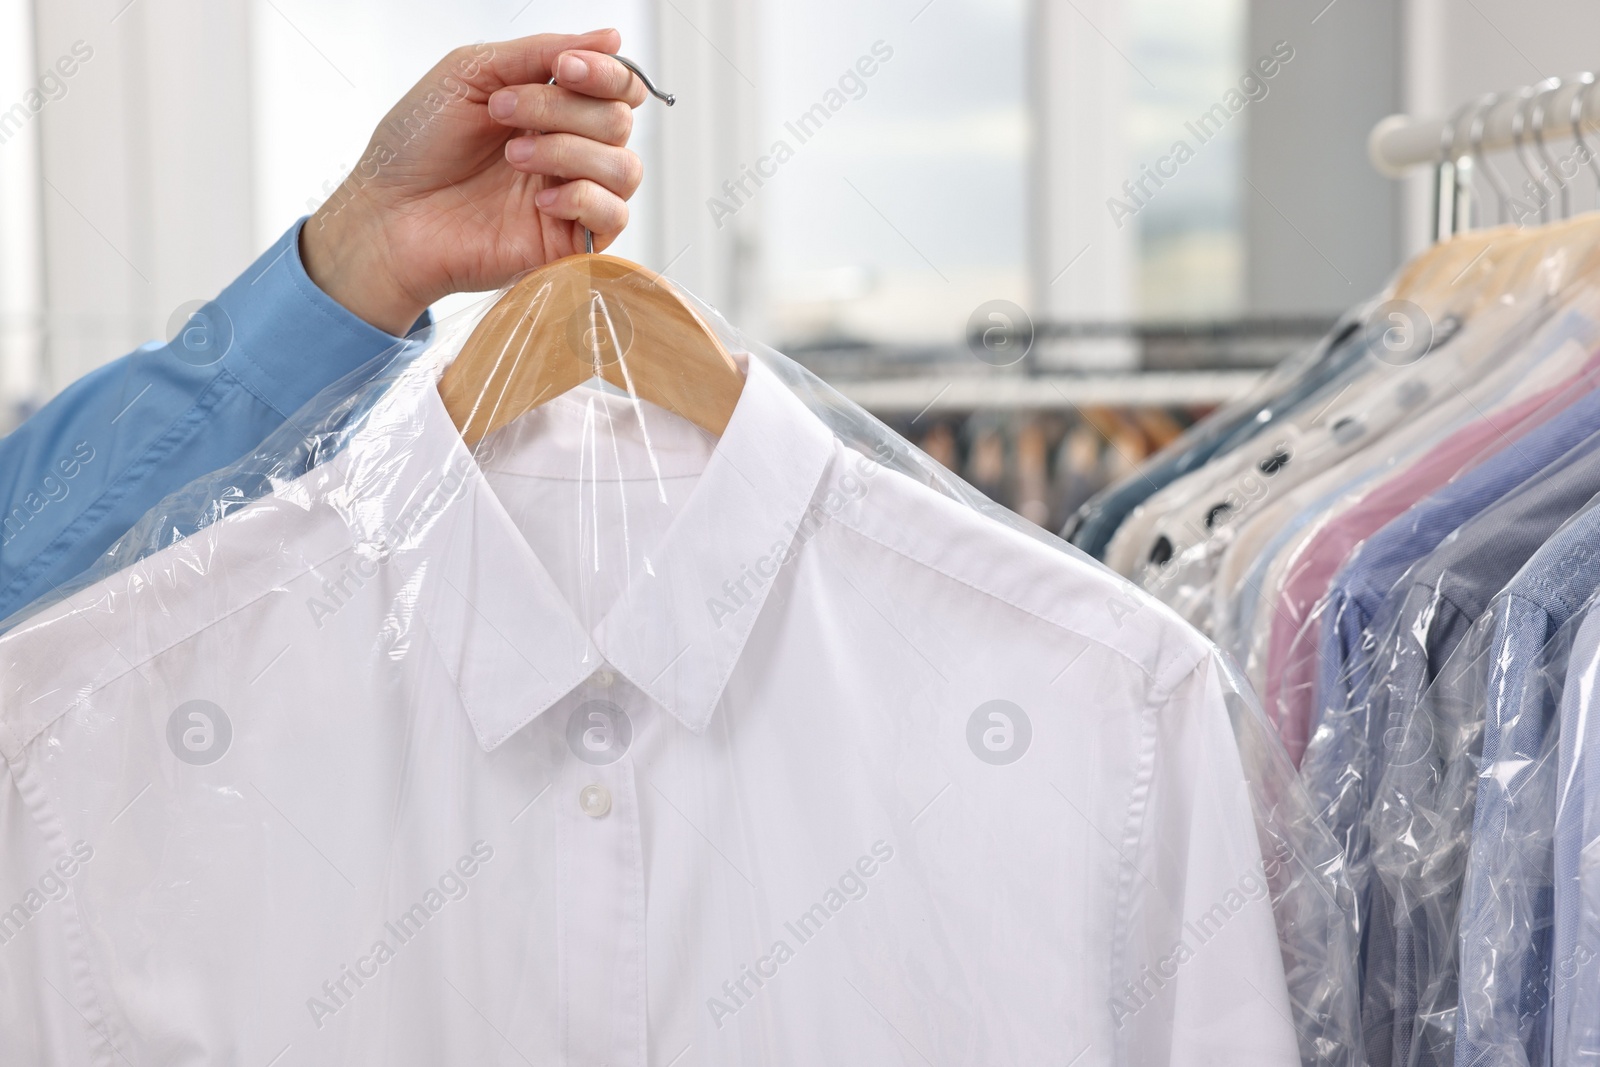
{"points": [[289, 339]]}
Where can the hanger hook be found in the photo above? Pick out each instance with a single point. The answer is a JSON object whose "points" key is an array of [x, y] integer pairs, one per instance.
{"points": [[1449, 133], [660, 94], [1545, 89], [1519, 128], [1461, 190], [1486, 104], [656, 91], [1580, 101]]}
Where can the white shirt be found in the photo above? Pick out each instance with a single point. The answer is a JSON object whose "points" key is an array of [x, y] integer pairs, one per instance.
{"points": [[622, 749]]}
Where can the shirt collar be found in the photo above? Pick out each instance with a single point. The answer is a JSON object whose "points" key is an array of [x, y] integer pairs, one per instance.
{"points": [[514, 645]]}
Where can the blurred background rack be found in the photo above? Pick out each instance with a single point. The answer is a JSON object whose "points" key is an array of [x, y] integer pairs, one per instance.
{"points": [[1155, 278]]}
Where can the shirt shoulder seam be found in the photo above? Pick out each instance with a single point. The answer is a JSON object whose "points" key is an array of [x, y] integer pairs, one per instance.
{"points": [[1154, 678]]}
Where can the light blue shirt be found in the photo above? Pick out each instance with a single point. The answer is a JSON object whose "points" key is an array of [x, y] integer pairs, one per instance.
{"points": [[1575, 959], [1507, 909], [81, 472]]}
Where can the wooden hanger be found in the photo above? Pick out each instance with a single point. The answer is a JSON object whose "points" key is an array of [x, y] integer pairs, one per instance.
{"points": [[591, 316], [1430, 273], [583, 317]]}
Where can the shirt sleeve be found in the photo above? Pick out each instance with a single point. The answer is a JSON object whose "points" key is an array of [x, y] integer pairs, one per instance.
{"points": [[1201, 977], [85, 468]]}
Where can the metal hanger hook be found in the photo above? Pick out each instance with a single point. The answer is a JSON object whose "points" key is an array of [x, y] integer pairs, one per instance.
{"points": [[1485, 105], [1457, 167], [1519, 128], [1580, 101], [1542, 92], [654, 90]]}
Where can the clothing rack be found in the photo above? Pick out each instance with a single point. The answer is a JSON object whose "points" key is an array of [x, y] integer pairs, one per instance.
{"points": [[1524, 120], [1401, 142]]}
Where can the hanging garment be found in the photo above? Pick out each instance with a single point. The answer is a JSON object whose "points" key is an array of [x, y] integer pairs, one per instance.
{"points": [[1163, 528], [1507, 906], [1348, 752], [1401, 567], [1373, 569], [1575, 952], [1404, 751], [1502, 301], [1284, 389], [1433, 277], [1369, 397], [1286, 639], [608, 741], [1380, 428]]}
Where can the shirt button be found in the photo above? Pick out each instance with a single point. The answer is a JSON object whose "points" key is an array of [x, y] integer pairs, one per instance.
{"points": [[595, 800], [603, 678]]}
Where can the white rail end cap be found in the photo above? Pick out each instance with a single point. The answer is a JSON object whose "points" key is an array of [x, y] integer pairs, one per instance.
{"points": [[1375, 145]]}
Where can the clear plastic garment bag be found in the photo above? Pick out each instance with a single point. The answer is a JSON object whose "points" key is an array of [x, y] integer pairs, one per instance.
{"points": [[635, 733]]}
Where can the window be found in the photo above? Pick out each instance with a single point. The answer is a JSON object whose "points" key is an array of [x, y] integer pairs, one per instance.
{"points": [[1190, 251], [906, 210]]}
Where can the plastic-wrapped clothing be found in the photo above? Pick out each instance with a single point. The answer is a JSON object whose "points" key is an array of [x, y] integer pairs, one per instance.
{"points": [[1348, 765], [1419, 833], [1527, 364], [1575, 954], [1507, 358], [1507, 905], [1304, 570], [1360, 587], [1482, 319], [1235, 610], [1309, 567], [1182, 540], [1134, 543], [605, 739], [1282, 390], [1360, 406]]}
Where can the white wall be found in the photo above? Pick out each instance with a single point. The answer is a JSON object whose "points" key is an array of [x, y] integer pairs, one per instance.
{"points": [[146, 176], [1456, 52], [1334, 230], [1322, 227], [21, 253]]}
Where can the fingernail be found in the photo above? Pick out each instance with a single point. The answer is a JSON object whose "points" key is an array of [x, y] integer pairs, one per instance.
{"points": [[503, 104], [519, 150], [572, 68], [547, 198]]}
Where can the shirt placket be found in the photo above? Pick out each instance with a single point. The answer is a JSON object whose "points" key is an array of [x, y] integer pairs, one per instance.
{"points": [[600, 880]]}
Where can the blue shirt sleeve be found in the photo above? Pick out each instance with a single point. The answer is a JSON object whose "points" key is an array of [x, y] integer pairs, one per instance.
{"points": [[81, 472]]}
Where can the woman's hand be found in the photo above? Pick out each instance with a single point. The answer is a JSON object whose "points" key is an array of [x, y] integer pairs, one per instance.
{"points": [[480, 172]]}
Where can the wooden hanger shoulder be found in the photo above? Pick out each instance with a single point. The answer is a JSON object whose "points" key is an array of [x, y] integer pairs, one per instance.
{"points": [[1458, 264], [583, 317], [1548, 259]]}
